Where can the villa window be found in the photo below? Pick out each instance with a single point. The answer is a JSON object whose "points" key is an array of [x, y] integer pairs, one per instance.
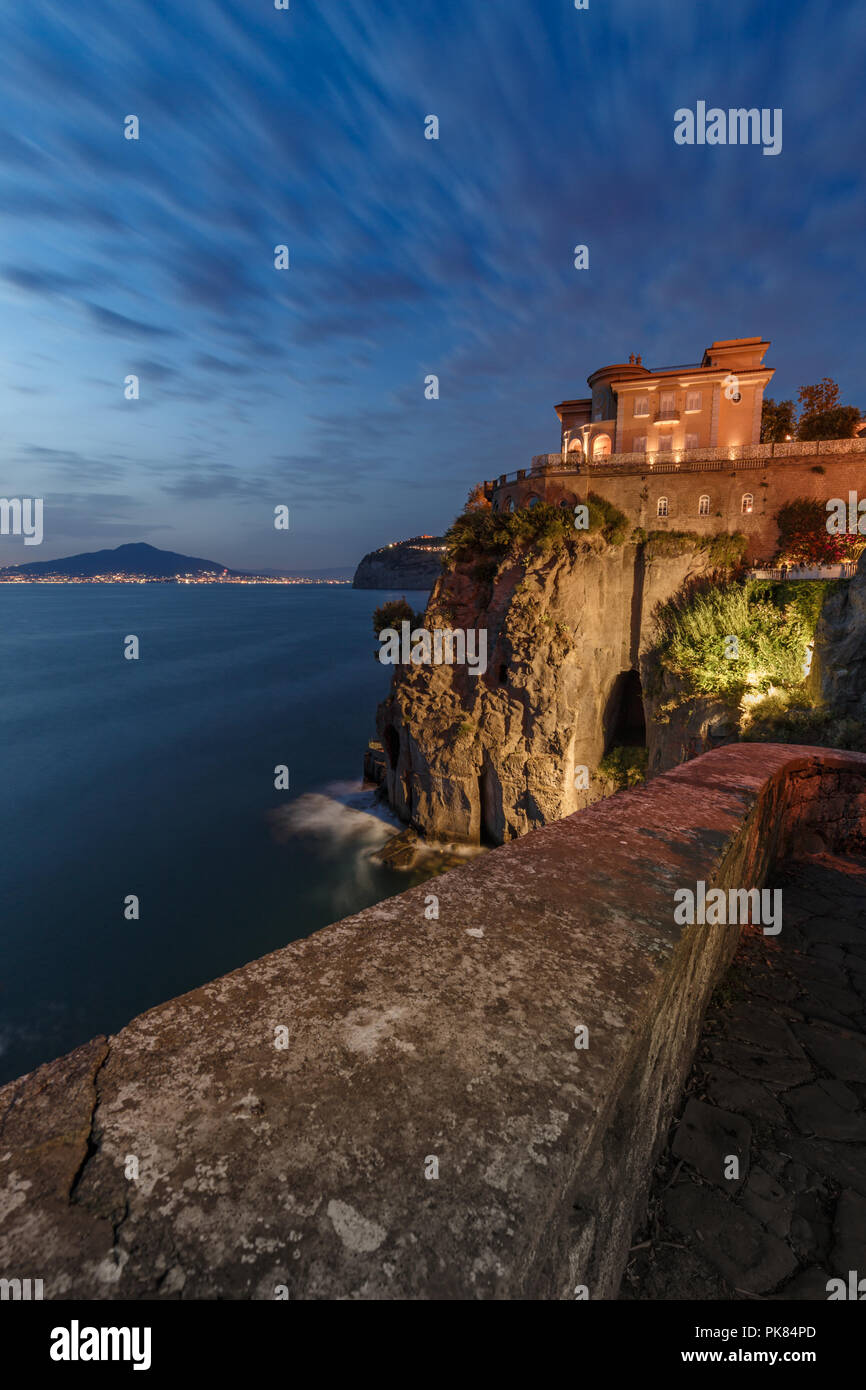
{"points": [[641, 405], [693, 400], [662, 507], [666, 443], [533, 501], [704, 505], [693, 441], [667, 403], [509, 504], [639, 444], [748, 503]]}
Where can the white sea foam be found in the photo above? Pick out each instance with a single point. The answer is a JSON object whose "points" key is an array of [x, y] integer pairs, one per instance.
{"points": [[349, 823], [342, 816]]}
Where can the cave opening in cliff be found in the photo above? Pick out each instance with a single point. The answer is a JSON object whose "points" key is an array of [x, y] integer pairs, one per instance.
{"points": [[624, 718], [391, 741]]}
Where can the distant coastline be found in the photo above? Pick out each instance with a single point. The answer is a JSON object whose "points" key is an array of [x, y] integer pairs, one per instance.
{"points": [[412, 564], [140, 563], [11, 578]]}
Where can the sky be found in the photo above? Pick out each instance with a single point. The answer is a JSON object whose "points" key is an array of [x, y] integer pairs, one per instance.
{"points": [[305, 387]]}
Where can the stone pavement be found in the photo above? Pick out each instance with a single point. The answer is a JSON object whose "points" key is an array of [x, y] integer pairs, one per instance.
{"points": [[779, 1084]]}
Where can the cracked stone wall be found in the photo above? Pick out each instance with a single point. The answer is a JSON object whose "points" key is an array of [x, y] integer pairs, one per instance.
{"points": [[264, 1169]]}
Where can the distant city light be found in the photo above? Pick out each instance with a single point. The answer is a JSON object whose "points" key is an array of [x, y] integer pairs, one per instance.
{"points": [[224, 578]]}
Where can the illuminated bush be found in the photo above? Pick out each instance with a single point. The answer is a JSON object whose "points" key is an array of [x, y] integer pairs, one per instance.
{"points": [[773, 625]]}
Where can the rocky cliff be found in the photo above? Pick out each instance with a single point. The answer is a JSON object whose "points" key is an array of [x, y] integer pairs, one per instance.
{"points": [[487, 758], [838, 676], [412, 564]]}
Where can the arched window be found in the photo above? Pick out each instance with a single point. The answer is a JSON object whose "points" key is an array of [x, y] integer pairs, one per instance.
{"points": [[533, 501], [748, 502], [601, 446], [509, 504], [494, 506], [704, 505], [575, 446], [662, 507]]}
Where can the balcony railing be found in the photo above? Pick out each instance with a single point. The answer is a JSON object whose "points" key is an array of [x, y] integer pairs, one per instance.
{"points": [[661, 414], [688, 460]]}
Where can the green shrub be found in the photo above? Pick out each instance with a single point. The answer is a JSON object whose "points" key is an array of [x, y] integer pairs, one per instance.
{"points": [[542, 528], [393, 613], [779, 718], [807, 596], [624, 766], [604, 517], [725, 549], [478, 533], [773, 624], [487, 537]]}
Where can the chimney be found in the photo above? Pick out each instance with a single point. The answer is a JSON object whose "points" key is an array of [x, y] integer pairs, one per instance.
{"points": [[631, 359], [638, 360]]}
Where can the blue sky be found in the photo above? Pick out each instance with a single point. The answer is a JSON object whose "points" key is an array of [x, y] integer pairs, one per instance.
{"points": [[306, 128]]}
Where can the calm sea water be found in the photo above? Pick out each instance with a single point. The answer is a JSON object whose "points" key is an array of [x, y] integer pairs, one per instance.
{"points": [[156, 777]]}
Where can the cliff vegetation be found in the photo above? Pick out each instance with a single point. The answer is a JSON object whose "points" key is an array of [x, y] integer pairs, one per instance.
{"points": [[748, 646], [486, 537]]}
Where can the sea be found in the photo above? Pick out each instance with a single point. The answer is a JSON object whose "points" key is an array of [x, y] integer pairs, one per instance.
{"points": [[154, 779]]}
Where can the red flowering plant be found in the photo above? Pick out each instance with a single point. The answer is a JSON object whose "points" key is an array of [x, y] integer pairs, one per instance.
{"points": [[805, 540]]}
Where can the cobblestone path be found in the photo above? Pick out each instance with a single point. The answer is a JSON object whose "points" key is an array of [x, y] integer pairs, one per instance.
{"points": [[779, 1082]]}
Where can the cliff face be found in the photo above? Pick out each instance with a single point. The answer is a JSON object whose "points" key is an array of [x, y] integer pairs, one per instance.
{"points": [[698, 723], [838, 675], [414, 564], [488, 758]]}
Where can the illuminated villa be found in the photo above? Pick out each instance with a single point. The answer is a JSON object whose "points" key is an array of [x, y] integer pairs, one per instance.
{"points": [[679, 449]]}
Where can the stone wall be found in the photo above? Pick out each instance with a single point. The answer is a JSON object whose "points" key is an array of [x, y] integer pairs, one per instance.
{"points": [[412, 1037], [637, 492]]}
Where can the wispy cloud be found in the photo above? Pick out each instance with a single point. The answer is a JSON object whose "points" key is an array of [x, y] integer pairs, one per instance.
{"points": [[408, 257]]}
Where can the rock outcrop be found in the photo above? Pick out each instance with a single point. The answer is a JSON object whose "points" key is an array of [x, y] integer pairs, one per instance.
{"points": [[487, 758], [412, 564], [838, 675]]}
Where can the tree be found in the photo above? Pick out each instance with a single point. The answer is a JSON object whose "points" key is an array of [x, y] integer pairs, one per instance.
{"points": [[804, 538], [394, 612], [478, 501], [778, 421], [823, 417], [816, 399], [839, 423]]}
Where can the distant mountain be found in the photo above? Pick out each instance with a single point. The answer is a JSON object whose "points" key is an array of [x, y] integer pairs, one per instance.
{"points": [[136, 559], [412, 564]]}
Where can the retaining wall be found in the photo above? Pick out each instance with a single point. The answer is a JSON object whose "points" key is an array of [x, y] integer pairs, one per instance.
{"points": [[412, 1038]]}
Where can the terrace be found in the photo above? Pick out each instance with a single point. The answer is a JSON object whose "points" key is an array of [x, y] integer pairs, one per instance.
{"points": [[684, 460]]}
